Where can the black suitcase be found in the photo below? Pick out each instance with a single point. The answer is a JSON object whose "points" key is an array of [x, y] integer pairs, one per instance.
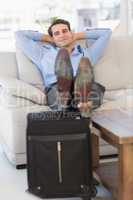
{"points": [[59, 155]]}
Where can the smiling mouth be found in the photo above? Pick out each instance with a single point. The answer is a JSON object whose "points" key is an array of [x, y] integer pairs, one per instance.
{"points": [[63, 40]]}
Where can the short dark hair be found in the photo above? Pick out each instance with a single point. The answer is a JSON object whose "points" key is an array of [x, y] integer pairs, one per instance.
{"points": [[58, 21]]}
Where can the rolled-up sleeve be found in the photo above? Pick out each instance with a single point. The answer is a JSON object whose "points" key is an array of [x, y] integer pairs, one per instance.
{"points": [[101, 38]]}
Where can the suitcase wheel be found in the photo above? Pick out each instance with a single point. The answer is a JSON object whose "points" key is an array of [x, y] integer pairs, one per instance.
{"points": [[94, 192], [86, 198]]}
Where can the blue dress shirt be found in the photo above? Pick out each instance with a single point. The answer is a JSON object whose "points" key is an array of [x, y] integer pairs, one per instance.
{"points": [[44, 54]]}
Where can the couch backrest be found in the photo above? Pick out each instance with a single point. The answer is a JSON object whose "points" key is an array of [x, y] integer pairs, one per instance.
{"points": [[115, 69], [8, 64], [27, 70]]}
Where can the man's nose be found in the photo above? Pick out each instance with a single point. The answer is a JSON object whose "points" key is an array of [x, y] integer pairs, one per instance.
{"points": [[61, 34]]}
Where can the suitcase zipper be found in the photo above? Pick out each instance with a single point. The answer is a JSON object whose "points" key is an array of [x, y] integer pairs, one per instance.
{"points": [[59, 161]]}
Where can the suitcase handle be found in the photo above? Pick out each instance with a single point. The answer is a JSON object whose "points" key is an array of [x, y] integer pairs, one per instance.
{"points": [[59, 161]]}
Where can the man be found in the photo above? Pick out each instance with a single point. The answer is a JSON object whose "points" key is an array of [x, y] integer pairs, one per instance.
{"points": [[65, 66]]}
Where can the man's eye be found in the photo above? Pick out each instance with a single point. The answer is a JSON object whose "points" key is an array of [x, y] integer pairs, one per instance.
{"points": [[65, 31], [56, 33]]}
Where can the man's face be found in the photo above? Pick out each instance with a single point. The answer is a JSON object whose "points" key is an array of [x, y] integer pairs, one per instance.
{"points": [[62, 36]]}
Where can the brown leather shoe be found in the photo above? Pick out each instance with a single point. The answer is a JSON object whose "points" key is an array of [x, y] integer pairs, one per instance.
{"points": [[63, 70], [82, 86], [64, 74]]}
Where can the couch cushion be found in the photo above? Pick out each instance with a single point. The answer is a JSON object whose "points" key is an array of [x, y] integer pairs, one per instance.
{"points": [[117, 99], [21, 89], [116, 94], [123, 103], [115, 69], [28, 71], [15, 134], [9, 101], [8, 64]]}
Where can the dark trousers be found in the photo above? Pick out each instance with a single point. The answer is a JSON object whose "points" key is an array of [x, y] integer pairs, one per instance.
{"points": [[96, 97]]}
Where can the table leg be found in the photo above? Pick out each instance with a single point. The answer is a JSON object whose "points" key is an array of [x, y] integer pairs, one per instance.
{"points": [[125, 182]]}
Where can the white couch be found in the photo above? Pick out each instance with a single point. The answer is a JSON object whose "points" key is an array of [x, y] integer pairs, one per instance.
{"points": [[22, 92], [17, 98]]}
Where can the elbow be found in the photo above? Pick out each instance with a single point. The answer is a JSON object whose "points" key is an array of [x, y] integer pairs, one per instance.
{"points": [[109, 32], [18, 34]]}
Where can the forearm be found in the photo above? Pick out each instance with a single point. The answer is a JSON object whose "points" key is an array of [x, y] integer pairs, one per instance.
{"points": [[92, 33], [29, 34], [101, 38], [97, 33], [80, 35], [47, 38]]}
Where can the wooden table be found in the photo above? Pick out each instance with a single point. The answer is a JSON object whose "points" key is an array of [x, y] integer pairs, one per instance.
{"points": [[116, 127]]}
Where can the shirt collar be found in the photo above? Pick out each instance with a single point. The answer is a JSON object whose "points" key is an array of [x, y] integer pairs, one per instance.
{"points": [[76, 50]]}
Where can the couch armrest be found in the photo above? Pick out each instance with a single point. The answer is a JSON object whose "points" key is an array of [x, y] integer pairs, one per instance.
{"points": [[9, 101], [20, 89]]}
